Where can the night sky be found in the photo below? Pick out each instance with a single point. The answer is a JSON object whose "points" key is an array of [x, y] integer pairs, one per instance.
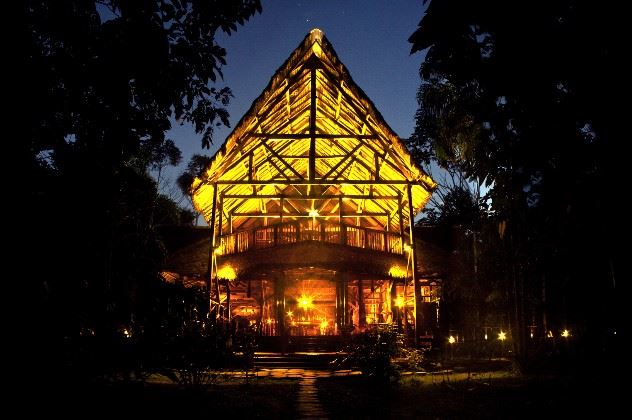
{"points": [[370, 37]]}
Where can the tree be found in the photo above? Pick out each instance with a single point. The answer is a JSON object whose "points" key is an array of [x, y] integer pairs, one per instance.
{"points": [[513, 94], [108, 77]]}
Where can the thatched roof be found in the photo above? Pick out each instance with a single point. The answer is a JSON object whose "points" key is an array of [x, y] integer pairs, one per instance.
{"points": [[315, 128]]}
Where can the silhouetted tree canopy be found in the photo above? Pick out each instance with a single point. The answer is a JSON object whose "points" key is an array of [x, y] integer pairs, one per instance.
{"points": [[106, 80], [195, 167], [521, 96]]}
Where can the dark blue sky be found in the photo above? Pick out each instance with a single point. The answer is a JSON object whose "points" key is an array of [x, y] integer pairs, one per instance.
{"points": [[370, 37]]}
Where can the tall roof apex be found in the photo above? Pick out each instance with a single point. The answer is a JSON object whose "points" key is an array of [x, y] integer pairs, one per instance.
{"points": [[317, 32]]}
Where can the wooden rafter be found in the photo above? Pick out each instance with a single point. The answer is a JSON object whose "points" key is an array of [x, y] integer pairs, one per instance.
{"points": [[313, 134]]}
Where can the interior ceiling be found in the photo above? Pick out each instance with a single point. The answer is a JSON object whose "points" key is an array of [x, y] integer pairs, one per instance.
{"points": [[315, 139]]}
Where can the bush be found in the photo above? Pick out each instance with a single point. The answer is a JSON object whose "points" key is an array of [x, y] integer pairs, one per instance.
{"points": [[372, 352]]}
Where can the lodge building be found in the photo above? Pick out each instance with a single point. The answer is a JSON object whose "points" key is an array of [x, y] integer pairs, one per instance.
{"points": [[310, 204]]}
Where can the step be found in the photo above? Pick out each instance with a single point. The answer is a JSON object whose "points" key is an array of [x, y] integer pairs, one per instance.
{"points": [[290, 361]]}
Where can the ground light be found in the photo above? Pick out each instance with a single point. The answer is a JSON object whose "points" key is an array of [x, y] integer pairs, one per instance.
{"points": [[502, 336], [566, 333], [451, 340]]}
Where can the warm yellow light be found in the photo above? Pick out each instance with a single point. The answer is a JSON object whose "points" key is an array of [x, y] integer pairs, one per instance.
{"points": [[502, 336], [407, 248], [227, 272], [268, 321], [399, 302], [290, 314], [549, 334], [313, 213], [324, 324], [218, 251], [305, 302], [397, 271], [126, 333], [566, 333], [451, 340]]}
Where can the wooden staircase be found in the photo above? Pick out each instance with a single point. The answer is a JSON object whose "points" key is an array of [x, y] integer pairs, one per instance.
{"points": [[300, 352]]}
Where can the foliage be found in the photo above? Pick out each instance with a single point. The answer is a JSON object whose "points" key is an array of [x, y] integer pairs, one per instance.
{"points": [[197, 357], [415, 359], [195, 167], [372, 352], [107, 78], [513, 94]]}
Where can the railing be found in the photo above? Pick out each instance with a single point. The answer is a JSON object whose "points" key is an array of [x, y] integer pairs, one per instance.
{"points": [[311, 230]]}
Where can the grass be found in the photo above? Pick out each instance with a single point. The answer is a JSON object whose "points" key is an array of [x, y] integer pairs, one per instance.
{"points": [[494, 395]]}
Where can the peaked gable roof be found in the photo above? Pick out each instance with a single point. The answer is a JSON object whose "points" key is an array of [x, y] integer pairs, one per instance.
{"points": [[312, 125]]}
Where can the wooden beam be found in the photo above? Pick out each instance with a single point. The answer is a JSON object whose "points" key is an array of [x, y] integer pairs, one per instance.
{"points": [[276, 155], [211, 253], [312, 126], [399, 213], [279, 170], [342, 171], [318, 197], [221, 213], [278, 215], [413, 264], [337, 165], [359, 161], [338, 101], [250, 166], [316, 182]]}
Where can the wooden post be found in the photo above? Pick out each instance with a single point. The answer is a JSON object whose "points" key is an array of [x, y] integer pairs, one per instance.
{"points": [[401, 216], [221, 211], [339, 307], [340, 223], [413, 264], [281, 203], [312, 127], [211, 253], [342, 314], [361, 307], [394, 309]]}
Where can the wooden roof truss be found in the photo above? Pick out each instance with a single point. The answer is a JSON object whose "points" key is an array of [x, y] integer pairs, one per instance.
{"points": [[312, 142]]}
